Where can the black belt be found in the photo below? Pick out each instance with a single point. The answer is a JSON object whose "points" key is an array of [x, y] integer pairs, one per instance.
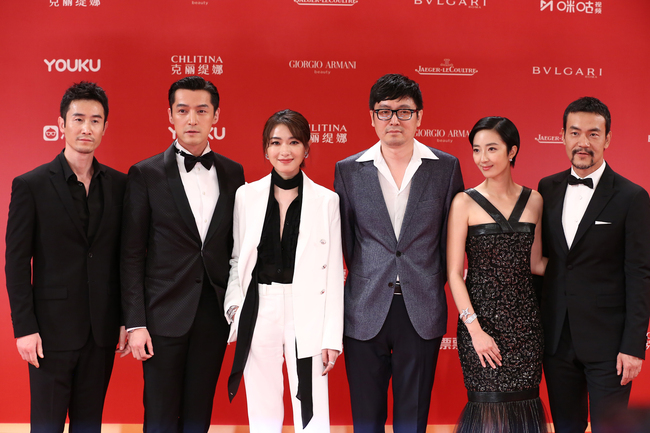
{"points": [[502, 397]]}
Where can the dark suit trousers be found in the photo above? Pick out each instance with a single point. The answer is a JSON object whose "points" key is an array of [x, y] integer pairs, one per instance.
{"points": [[397, 351], [180, 379], [575, 386], [71, 382]]}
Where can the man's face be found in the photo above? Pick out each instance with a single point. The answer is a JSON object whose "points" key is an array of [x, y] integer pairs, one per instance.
{"points": [[395, 132], [585, 141], [84, 126], [193, 116]]}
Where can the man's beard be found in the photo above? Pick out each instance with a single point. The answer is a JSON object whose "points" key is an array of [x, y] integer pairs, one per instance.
{"points": [[582, 166]]}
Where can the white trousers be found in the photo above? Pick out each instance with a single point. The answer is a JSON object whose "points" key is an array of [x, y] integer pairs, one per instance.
{"points": [[274, 340]]}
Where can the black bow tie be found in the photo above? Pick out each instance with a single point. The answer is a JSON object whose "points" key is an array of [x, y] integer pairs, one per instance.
{"points": [[577, 181], [190, 160]]}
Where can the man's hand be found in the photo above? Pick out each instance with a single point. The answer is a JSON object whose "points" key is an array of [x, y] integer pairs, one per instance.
{"points": [[329, 359], [140, 344], [30, 348], [123, 348], [629, 366]]}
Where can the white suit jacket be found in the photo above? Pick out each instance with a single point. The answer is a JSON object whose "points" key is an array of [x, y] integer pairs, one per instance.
{"points": [[317, 288]]}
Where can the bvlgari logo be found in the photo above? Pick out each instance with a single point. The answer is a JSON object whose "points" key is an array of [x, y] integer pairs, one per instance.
{"points": [[568, 71], [571, 6], [213, 135], [73, 65], [328, 133], [442, 135], [446, 68], [472, 4], [196, 64], [326, 2], [323, 66], [549, 139]]}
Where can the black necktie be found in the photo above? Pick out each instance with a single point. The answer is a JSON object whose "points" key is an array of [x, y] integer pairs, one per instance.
{"points": [[577, 181], [190, 160]]}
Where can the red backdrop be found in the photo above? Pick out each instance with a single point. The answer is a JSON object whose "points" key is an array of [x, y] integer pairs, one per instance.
{"points": [[525, 60]]}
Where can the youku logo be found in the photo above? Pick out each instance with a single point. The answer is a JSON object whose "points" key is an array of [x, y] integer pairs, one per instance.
{"points": [[73, 65], [328, 133], [549, 139], [51, 133], [471, 4], [326, 2], [568, 71], [571, 6], [446, 68], [213, 135]]}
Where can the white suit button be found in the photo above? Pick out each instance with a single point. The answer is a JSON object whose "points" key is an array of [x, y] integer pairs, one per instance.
{"points": [[324, 266], [322, 292], [322, 241]]}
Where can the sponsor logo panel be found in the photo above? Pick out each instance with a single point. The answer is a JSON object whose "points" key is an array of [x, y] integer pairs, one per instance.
{"points": [[328, 133], [572, 6], [442, 135], [74, 3], [51, 133], [326, 2], [446, 68], [549, 139], [216, 133], [470, 4], [73, 65], [324, 67], [568, 71], [183, 64]]}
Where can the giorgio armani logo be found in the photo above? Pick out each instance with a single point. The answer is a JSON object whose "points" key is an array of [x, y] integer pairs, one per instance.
{"points": [[572, 6], [446, 68], [568, 71], [326, 2], [323, 66], [549, 139], [328, 133], [442, 135], [190, 64], [472, 4], [73, 65]]}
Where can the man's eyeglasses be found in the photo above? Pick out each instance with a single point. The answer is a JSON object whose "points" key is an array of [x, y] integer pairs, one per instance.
{"points": [[402, 113]]}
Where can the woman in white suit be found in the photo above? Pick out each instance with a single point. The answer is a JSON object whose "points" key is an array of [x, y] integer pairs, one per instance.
{"points": [[285, 292]]}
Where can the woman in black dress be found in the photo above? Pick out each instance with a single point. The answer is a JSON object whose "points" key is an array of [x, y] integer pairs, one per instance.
{"points": [[500, 340]]}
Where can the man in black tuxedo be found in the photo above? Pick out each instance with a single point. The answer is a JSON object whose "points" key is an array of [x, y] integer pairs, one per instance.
{"points": [[595, 301], [176, 247], [62, 267]]}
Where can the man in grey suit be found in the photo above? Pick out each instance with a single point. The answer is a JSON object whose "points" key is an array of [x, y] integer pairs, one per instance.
{"points": [[395, 198]]}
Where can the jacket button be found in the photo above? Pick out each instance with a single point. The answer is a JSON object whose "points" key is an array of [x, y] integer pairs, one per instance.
{"points": [[198, 280], [90, 255], [569, 267], [324, 266], [322, 241], [322, 292], [398, 253], [390, 285]]}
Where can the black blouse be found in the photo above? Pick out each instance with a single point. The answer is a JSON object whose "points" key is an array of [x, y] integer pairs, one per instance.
{"points": [[277, 256]]}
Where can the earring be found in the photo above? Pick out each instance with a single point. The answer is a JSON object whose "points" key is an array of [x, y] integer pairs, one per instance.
{"points": [[510, 160], [306, 155], [266, 156]]}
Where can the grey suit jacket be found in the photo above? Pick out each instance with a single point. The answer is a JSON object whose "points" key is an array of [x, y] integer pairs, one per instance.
{"points": [[374, 256]]}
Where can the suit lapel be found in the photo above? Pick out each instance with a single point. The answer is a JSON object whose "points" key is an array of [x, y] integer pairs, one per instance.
{"points": [[419, 181], [308, 212], [62, 189], [554, 202], [178, 192], [107, 190], [603, 193], [220, 207], [374, 199]]}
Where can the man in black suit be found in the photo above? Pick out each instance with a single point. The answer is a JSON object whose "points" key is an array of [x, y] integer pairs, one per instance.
{"points": [[62, 267], [176, 247], [595, 302]]}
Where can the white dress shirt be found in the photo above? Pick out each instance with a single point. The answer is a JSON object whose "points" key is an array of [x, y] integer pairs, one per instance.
{"points": [[576, 200], [396, 198], [201, 188]]}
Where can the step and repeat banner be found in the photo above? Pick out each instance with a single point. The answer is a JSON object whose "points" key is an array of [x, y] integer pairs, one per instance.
{"points": [[526, 60]]}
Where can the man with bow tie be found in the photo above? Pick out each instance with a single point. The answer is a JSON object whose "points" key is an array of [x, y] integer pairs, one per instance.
{"points": [[176, 245], [596, 295]]}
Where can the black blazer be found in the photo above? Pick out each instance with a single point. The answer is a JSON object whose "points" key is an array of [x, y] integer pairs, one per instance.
{"points": [[75, 286], [163, 261], [603, 280]]}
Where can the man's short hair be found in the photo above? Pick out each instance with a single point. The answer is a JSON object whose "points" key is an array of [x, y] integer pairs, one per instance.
{"points": [[504, 128], [587, 104], [395, 86], [194, 83], [84, 90]]}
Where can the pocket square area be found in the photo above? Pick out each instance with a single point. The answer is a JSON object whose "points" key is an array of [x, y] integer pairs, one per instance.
{"points": [[602, 223]]}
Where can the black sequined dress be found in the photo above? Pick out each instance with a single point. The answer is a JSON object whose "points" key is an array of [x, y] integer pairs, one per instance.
{"points": [[499, 283]]}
